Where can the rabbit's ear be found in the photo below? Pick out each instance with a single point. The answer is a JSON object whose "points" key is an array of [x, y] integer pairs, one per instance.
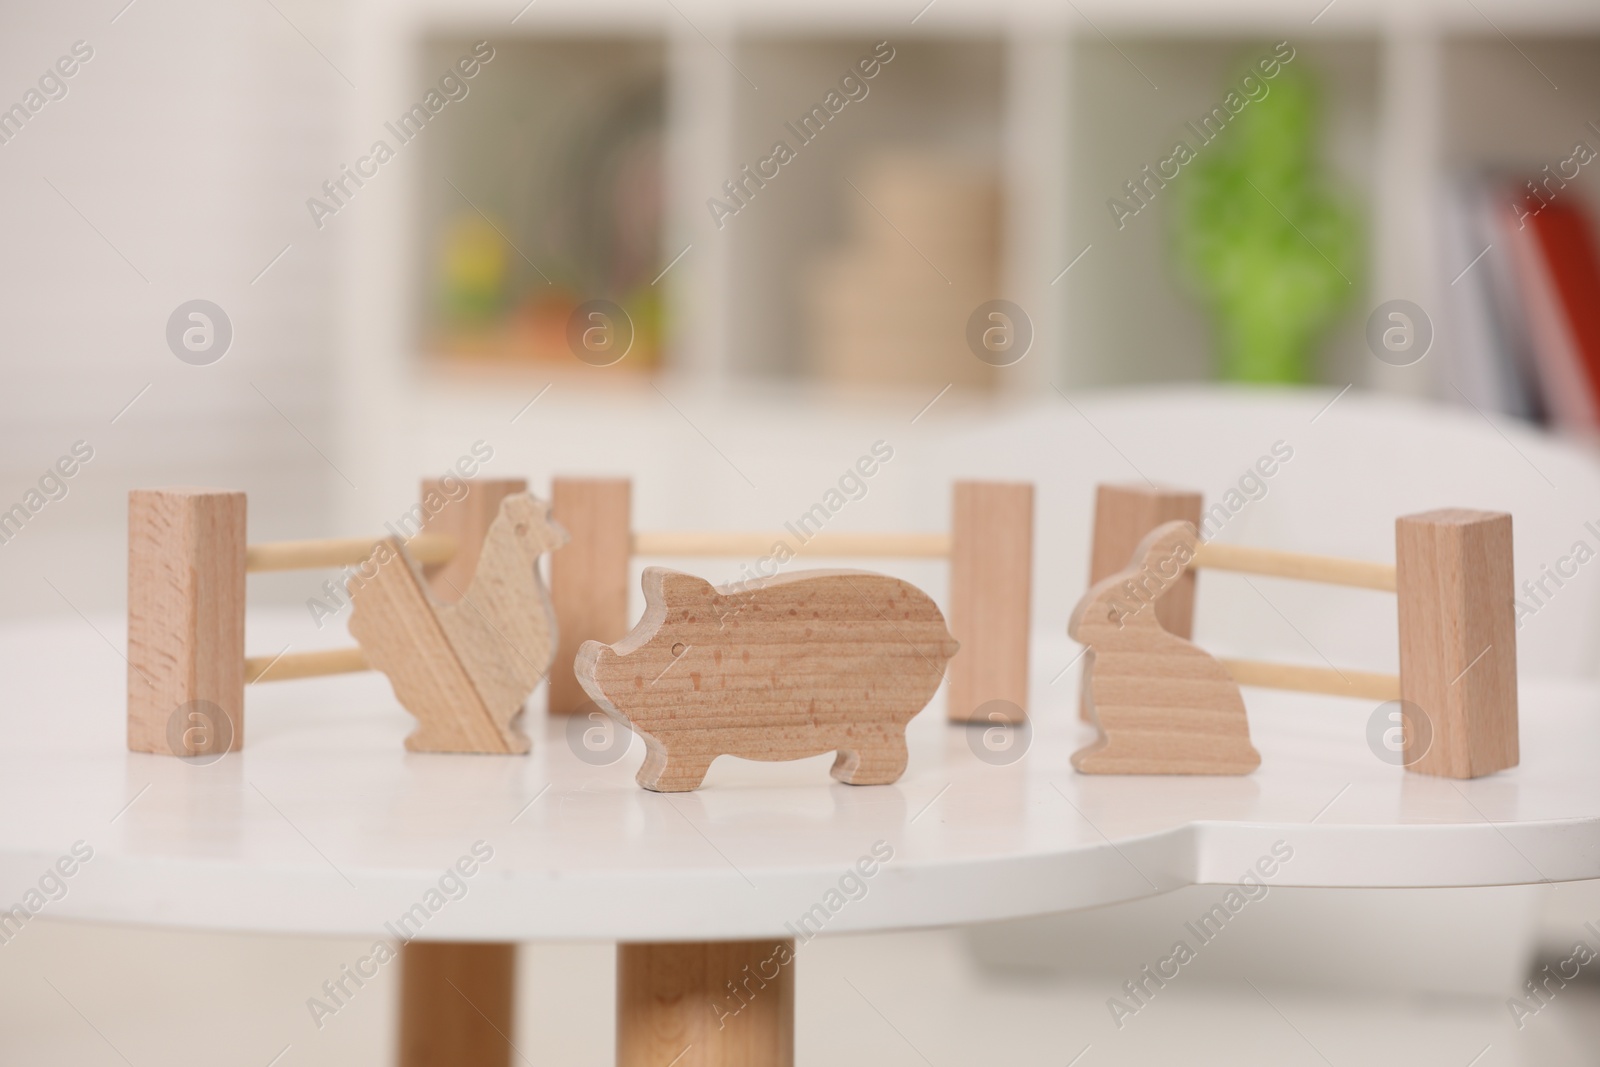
{"points": [[1119, 600], [1167, 549]]}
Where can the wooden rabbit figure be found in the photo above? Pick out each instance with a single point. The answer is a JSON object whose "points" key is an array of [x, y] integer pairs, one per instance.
{"points": [[1162, 705], [464, 669]]}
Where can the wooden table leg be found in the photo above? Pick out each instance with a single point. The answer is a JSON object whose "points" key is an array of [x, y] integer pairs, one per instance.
{"points": [[456, 1003], [706, 1004]]}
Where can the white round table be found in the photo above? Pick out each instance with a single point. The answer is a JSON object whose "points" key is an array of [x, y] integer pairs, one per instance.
{"points": [[323, 824]]}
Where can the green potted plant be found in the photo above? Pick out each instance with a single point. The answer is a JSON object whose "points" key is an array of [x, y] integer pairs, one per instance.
{"points": [[1272, 253]]}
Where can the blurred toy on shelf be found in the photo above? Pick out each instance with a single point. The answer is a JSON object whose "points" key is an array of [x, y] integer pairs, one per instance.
{"points": [[890, 306]]}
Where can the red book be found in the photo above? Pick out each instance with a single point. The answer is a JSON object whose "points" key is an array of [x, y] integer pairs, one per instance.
{"points": [[1559, 275], [1568, 242]]}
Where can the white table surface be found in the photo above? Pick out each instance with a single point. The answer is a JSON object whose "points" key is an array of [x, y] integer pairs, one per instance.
{"points": [[324, 824]]}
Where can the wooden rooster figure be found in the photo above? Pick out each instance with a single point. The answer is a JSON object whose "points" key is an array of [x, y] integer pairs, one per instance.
{"points": [[464, 669]]}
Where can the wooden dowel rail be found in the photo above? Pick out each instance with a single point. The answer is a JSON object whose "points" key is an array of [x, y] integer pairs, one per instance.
{"points": [[1363, 684], [293, 665], [713, 544], [1330, 570], [439, 548], [339, 552]]}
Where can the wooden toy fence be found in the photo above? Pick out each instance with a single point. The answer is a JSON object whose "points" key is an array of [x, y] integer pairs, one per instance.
{"points": [[1457, 632], [188, 559]]}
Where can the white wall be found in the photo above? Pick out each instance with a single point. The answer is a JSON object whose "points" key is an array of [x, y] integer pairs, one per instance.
{"points": [[189, 141]]}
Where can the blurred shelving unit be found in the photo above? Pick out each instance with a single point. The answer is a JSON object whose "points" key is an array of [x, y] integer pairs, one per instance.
{"points": [[600, 131], [542, 193], [860, 266]]}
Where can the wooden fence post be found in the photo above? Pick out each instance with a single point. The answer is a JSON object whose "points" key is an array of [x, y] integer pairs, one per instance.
{"points": [[589, 577], [1458, 640], [1123, 514], [991, 586], [185, 621]]}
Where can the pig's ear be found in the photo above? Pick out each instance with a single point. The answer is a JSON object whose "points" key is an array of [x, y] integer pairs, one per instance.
{"points": [[586, 666], [663, 585]]}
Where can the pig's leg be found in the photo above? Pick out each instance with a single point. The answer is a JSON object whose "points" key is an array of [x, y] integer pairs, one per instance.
{"points": [[873, 761], [665, 771]]}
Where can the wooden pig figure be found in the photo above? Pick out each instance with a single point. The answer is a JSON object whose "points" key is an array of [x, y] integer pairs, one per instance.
{"points": [[1163, 706], [780, 669], [463, 669]]}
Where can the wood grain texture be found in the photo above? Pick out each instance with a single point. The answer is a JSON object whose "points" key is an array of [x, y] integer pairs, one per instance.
{"points": [[398, 627], [1162, 705], [779, 669], [732, 545], [716, 1004], [457, 1004], [339, 552], [1302, 566], [589, 579], [1458, 639], [291, 665], [463, 669], [186, 590], [464, 516], [1123, 515], [991, 586], [1342, 682]]}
